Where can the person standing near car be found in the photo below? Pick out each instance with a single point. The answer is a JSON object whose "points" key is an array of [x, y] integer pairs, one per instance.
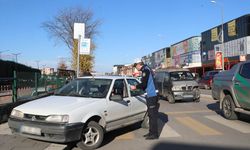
{"points": [[147, 84]]}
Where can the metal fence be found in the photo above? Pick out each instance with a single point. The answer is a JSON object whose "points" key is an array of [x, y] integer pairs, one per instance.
{"points": [[25, 85]]}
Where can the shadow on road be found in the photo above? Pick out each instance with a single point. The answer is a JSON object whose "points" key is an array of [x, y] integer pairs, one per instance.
{"points": [[110, 136], [163, 119], [181, 146], [215, 107]]}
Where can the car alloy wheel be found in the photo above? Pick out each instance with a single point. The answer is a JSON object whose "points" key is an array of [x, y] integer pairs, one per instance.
{"points": [[228, 108], [92, 136]]}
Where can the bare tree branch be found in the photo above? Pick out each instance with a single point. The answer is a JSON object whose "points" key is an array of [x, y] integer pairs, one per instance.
{"points": [[62, 28]]}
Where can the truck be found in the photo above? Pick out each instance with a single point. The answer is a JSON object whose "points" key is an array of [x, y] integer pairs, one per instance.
{"points": [[232, 89]]}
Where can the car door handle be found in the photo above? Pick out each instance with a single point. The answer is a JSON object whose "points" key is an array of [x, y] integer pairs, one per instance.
{"points": [[236, 83], [128, 101]]}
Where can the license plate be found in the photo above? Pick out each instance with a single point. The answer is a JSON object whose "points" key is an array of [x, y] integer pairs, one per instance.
{"points": [[31, 130]]}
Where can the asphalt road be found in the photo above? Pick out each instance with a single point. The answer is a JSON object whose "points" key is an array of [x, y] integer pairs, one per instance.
{"points": [[183, 125]]}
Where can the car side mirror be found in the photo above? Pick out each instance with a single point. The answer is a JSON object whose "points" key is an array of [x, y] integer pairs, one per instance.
{"points": [[116, 98]]}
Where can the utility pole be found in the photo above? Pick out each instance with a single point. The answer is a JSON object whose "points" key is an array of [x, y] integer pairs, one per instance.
{"points": [[222, 32], [16, 54]]}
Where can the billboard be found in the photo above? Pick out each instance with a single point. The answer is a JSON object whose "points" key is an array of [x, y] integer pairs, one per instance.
{"points": [[231, 28], [214, 34], [159, 58], [218, 60], [187, 52], [236, 47]]}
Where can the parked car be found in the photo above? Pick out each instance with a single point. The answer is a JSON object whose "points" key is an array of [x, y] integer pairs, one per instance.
{"points": [[82, 111], [176, 84], [232, 88], [206, 80]]}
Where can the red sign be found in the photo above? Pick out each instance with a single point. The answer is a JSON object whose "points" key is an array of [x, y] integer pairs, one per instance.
{"points": [[218, 60]]}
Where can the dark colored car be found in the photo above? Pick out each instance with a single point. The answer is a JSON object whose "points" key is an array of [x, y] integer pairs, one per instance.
{"points": [[206, 80], [176, 84]]}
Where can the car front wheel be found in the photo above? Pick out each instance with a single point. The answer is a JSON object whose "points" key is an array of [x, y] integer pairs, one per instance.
{"points": [[197, 95], [228, 108], [92, 136]]}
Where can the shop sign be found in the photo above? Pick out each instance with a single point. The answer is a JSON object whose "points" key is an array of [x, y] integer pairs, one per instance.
{"points": [[218, 60]]}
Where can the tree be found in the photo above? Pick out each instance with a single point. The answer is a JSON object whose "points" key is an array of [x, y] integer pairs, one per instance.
{"points": [[62, 64], [62, 29]]}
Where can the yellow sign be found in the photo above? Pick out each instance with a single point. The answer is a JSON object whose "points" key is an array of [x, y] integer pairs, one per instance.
{"points": [[231, 28], [214, 34]]}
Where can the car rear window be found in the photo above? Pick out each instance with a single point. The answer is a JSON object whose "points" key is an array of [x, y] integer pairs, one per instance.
{"points": [[181, 75]]}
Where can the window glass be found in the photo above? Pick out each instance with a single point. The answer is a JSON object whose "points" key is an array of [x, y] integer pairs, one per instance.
{"points": [[86, 87], [119, 88], [136, 92], [245, 71], [181, 76]]}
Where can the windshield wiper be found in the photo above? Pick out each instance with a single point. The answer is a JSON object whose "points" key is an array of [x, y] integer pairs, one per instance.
{"points": [[59, 94], [74, 94]]}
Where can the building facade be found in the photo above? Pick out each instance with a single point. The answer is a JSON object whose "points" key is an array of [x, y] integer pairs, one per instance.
{"points": [[236, 43], [186, 54], [47, 71]]}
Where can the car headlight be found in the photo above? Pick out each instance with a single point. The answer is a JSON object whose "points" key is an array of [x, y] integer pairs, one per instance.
{"points": [[17, 113], [58, 118], [176, 88]]}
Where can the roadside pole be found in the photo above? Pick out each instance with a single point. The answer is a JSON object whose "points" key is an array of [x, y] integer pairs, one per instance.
{"points": [[79, 33], [78, 56]]}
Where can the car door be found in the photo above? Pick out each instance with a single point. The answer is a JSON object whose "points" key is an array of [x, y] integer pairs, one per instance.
{"points": [[118, 110], [138, 101], [242, 85]]}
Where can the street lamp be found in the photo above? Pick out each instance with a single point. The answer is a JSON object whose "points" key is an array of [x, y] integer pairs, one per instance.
{"points": [[222, 31]]}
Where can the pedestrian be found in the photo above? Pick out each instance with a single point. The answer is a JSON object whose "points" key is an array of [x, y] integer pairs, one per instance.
{"points": [[147, 84]]}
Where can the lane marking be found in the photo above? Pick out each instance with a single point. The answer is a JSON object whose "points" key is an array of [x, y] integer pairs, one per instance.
{"points": [[167, 131], [234, 124], [190, 112], [197, 126]]}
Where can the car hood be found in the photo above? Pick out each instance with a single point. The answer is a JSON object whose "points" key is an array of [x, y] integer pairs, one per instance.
{"points": [[56, 105]]}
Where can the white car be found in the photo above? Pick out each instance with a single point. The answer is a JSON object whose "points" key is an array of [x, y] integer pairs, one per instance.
{"points": [[82, 111]]}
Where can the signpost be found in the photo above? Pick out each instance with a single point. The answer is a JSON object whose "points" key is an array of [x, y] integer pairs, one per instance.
{"points": [[79, 33], [85, 47]]}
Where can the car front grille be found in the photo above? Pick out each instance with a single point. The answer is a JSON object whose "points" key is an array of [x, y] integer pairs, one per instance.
{"points": [[35, 117], [187, 88]]}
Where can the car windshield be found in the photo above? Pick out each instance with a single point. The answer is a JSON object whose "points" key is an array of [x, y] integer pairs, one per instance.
{"points": [[181, 75], [86, 87]]}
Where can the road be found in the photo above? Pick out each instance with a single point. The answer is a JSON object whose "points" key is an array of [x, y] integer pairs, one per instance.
{"points": [[183, 125]]}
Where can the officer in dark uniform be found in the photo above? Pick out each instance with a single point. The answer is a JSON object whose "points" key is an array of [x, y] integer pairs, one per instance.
{"points": [[147, 84]]}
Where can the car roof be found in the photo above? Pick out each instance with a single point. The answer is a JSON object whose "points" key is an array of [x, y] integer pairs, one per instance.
{"points": [[107, 77]]}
